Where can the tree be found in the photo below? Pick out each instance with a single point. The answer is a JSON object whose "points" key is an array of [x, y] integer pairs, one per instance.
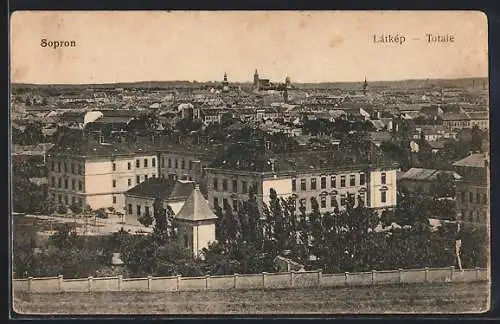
{"points": [[443, 186], [163, 230]]}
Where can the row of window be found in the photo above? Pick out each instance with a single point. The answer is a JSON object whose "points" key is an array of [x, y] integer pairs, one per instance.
{"points": [[64, 199], [138, 164], [76, 168], [474, 217], [242, 188], [313, 184], [137, 180], [138, 210], [174, 163], [65, 183], [480, 198]]}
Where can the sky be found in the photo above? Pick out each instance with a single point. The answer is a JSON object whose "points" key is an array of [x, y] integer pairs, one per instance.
{"points": [[324, 46]]}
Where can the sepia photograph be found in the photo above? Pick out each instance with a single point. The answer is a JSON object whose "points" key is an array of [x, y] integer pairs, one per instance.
{"points": [[249, 162]]}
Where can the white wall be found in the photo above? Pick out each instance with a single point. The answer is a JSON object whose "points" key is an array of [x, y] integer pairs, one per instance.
{"points": [[375, 186]]}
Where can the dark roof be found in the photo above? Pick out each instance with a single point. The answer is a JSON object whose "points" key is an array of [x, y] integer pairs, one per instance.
{"points": [[101, 150], [167, 189]]}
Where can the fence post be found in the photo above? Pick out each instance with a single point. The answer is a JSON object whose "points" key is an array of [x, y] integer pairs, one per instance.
{"points": [[373, 277], [320, 274], [235, 279], [477, 273], [264, 280], [120, 279], [149, 283], [346, 276], [292, 278], [452, 270], [206, 282], [60, 278], [178, 283], [426, 274], [30, 279], [400, 275], [90, 283]]}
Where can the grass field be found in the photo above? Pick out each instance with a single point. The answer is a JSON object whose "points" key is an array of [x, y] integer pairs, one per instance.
{"points": [[438, 298]]}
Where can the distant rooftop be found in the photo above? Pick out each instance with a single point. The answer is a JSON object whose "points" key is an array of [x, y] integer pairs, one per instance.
{"points": [[427, 174], [476, 160], [167, 189]]}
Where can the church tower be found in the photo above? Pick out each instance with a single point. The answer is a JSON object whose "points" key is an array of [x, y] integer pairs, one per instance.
{"points": [[225, 79], [256, 84], [365, 87]]}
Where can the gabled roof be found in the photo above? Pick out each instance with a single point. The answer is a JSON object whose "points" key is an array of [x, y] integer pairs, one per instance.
{"points": [[474, 161], [427, 174], [195, 208]]}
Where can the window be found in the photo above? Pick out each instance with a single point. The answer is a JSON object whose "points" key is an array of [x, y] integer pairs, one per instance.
{"points": [[362, 179], [114, 166], [53, 181], [53, 166], [73, 184], [153, 162], [294, 184], [60, 199], [190, 165], [235, 186], [145, 177], [66, 200], [462, 196], [333, 181], [130, 209], [73, 200], [129, 165], [224, 202], [216, 202], [383, 196], [114, 199], [343, 199], [471, 216], [478, 198], [146, 210], [80, 169], [153, 175], [183, 164], [58, 166], [303, 184], [72, 168], [342, 181], [59, 183], [303, 202], [224, 185], [485, 199], [129, 182], [216, 184], [169, 162], [176, 165], [323, 182], [186, 241], [137, 163], [244, 187], [323, 202], [145, 163], [235, 204], [383, 178], [114, 183], [65, 167], [313, 183], [65, 183], [80, 202], [471, 197], [162, 162], [137, 179], [138, 210], [352, 180], [333, 201], [80, 185]]}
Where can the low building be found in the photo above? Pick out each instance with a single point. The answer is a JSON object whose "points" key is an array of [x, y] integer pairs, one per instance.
{"points": [[424, 180], [140, 199]]}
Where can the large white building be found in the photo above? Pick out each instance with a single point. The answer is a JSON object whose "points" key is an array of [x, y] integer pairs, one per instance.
{"points": [[98, 175], [304, 177]]}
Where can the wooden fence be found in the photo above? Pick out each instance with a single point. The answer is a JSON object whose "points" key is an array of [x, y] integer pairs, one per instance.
{"points": [[280, 280]]}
